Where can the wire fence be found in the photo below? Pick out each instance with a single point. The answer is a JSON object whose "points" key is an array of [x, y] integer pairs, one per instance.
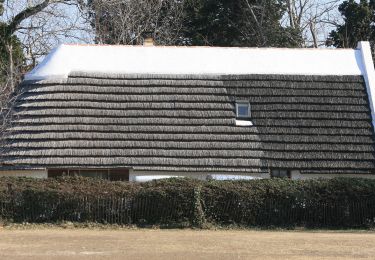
{"points": [[281, 213], [101, 210], [150, 210]]}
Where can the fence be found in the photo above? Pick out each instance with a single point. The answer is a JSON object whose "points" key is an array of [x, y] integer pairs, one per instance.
{"points": [[156, 210], [101, 210], [281, 213]]}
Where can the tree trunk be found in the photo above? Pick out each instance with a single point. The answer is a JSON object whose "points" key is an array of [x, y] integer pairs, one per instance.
{"points": [[11, 67], [291, 13], [313, 34]]}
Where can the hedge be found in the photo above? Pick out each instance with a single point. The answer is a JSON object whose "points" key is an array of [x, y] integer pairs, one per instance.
{"points": [[338, 203]]}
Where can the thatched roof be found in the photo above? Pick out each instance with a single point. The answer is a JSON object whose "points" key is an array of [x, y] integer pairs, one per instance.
{"points": [[187, 123]]}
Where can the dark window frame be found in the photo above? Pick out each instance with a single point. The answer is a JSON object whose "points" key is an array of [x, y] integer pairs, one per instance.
{"points": [[280, 173], [112, 174]]}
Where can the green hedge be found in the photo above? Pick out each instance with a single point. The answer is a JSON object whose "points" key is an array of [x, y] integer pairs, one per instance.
{"points": [[339, 203]]}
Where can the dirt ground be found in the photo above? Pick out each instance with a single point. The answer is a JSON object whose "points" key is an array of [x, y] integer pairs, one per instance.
{"points": [[183, 244]]}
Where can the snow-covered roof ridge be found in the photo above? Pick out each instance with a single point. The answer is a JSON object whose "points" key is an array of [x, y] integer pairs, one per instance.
{"points": [[116, 59]]}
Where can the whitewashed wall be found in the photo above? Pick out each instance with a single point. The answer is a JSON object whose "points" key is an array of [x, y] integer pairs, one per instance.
{"points": [[39, 174], [141, 175], [296, 175]]}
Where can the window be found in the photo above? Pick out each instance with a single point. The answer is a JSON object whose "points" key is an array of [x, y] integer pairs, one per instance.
{"points": [[243, 109], [118, 174], [280, 173]]}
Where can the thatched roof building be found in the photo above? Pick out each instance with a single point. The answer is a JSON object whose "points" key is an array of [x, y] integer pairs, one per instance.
{"points": [[177, 111]]}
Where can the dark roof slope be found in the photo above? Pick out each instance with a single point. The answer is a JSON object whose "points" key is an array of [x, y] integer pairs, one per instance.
{"points": [[187, 123]]}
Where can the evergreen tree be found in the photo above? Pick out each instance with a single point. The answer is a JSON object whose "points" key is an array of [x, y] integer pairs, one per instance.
{"points": [[11, 55], [193, 22], [239, 23], [359, 19]]}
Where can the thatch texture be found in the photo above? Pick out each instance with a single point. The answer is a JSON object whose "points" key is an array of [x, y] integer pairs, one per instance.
{"points": [[187, 123]]}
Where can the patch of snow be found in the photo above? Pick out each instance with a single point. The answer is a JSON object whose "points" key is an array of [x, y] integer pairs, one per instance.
{"points": [[196, 60], [244, 123]]}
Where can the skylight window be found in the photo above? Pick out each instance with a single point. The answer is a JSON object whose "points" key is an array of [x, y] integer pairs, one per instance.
{"points": [[243, 109]]}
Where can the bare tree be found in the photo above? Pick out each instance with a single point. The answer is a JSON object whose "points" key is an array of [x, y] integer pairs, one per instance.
{"points": [[125, 21], [41, 25], [30, 29], [313, 18]]}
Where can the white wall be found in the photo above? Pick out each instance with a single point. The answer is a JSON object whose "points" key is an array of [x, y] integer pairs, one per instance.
{"points": [[296, 175], [39, 174], [196, 175]]}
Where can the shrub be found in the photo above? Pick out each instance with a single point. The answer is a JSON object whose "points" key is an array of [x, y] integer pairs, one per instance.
{"points": [[339, 203]]}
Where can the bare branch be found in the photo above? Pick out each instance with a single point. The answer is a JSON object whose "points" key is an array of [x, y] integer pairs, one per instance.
{"points": [[12, 27]]}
